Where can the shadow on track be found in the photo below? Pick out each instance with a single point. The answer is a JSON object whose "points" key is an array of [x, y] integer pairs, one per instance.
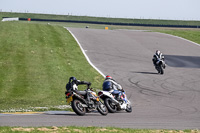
{"points": [[68, 113], [146, 72], [183, 61]]}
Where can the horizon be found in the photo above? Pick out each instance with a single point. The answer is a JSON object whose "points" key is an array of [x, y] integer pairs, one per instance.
{"points": [[93, 16], [133, 9]]}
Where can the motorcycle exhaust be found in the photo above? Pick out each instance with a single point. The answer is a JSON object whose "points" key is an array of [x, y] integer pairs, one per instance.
{"points": [[78, 96]]}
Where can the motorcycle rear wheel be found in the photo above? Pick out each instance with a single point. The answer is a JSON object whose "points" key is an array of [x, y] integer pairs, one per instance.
{"points": [[102, 109], [111, 108], [78, 108]]}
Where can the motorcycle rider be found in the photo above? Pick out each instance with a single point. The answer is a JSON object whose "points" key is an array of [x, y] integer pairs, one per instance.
{"points": [[157, 56], [73, 84], [112, 86]]}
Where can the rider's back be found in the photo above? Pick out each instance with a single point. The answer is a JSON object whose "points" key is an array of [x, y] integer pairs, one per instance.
{"points": [[107, 85]]}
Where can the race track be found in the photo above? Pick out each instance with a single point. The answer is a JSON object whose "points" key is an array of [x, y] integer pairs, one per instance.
{"points": [[169, 101]]}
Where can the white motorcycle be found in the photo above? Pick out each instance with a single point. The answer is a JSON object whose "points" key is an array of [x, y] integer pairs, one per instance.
{"points": [[113, 103], [160, 66]]}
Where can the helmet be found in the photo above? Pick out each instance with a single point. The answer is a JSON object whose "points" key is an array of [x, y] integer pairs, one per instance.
{"points": [[157, 52], [71, 83], [107, 86], [108, 77], [72, 79]]}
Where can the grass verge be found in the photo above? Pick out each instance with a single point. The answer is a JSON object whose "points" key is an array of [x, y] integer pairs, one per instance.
{"points": [[35, 63], [36, 60], [192, 35], [72, 129]]}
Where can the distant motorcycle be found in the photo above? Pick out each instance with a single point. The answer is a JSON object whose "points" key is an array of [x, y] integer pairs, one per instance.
{"points": [[85, 101], [113, 104], [160, 66]]}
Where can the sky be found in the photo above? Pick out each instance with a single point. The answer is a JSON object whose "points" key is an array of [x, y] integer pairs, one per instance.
{"points": [[135, 9]]}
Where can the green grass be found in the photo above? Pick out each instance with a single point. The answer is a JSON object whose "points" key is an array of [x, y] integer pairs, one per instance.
{"points": [[35, 63], [187, 33], [193, 35], [36, 60], [72, 129]]}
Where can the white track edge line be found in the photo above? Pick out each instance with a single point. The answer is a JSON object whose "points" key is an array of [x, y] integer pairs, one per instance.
{"points": [[180, 38], [85, 54], [98, 69]]}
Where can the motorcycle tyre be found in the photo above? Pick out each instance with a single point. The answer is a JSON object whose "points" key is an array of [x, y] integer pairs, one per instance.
{"points": [[101, 111], [161, 70], [158, 69], [111, 109], [76, 108], [129, 109]]}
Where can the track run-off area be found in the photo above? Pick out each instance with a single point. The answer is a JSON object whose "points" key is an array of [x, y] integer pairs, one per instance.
{"points": [[169, 101]]}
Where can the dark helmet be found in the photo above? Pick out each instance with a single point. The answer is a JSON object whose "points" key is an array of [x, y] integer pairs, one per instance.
{"points": [[71, 79], [108, 77], [69, 85]]}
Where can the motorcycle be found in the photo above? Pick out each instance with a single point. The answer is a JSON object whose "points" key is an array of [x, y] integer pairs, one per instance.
{"points": [[85, 101], [113, 103], [160, 66]]}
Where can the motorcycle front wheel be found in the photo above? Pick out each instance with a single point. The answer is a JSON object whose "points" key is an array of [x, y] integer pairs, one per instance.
{"points": [[129, 108], [161, 70], [77, 107], [102, 109], [110, 106]]}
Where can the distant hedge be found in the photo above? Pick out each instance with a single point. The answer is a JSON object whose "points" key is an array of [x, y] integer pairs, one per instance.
{"points": [[113, 23]]}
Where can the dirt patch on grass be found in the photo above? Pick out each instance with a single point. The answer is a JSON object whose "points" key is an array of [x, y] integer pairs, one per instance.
{"points": [[54, 128], [23, 129]]}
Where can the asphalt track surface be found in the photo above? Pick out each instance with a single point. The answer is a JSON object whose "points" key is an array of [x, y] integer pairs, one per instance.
{"points": [[169, 101]]}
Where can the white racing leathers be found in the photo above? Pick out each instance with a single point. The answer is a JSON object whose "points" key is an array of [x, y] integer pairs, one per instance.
{"points": [[159, 63]]}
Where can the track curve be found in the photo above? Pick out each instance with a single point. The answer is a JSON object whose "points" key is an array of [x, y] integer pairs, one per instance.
{"points": [[126, 55], [169, 101]]}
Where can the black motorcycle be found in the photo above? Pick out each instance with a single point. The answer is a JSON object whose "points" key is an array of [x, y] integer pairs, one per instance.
{"points": [[84, 101]]}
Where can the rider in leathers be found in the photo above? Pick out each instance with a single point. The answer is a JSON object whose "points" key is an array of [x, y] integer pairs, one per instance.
{"points": [[157, 56], [73, 83], [112, 86]]}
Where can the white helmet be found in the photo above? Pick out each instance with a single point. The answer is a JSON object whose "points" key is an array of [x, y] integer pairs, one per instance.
{"points": [[157, 52]]}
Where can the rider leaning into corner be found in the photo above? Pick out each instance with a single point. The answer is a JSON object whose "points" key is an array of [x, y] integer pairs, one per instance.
{"points": [[112, 86], [157, 56], [73, 83]]}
